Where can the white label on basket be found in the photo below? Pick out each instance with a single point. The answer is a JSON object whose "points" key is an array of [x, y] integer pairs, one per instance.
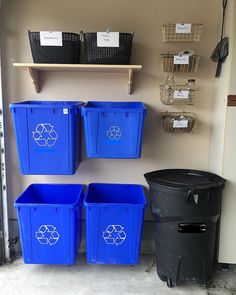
{"points": [[110, 39], [183, 28], [48, 38], [181, 59], [65, 111], [181, 94], [180, 124]]}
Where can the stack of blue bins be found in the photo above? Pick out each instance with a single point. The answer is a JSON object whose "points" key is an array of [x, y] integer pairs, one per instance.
{"points": [[48, 140]]}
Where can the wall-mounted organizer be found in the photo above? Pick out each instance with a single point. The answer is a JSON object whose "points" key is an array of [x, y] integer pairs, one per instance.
{"points": [[64, 49], [62, 53], [113, 130], [180, 63], [48, 136], [179, 121], [35, 70], [172, 94], [95, 54], [181, 32]]}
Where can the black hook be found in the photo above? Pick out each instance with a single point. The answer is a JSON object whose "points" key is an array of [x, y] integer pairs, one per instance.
{"points": [[224, 3]]}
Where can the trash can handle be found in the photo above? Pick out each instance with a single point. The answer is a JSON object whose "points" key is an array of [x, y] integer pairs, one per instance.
{"points": [[195, 228], [198, 191]]}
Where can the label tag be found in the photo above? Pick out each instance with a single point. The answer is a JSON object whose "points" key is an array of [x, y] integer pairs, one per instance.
{"points": [[65, 111], [183, 28], [48, 38], [181, 59], [181, 94], [180, 124], [110, 39]]}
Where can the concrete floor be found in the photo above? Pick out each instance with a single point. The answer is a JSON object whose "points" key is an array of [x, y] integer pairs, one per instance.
{"points": [[84, 279]]}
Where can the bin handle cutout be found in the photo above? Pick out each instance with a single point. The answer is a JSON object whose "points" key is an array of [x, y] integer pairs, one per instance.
{"points": [[192, 193], [195, 228]]}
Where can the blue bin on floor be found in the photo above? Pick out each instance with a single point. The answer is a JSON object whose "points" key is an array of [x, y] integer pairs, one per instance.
{"points": [[114, 221], [49, 217], [114, 129], [47, 136]]}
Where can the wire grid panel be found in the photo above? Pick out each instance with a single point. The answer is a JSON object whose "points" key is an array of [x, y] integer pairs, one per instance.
{"points": [[169, 66], [179, 122], [169, 33], [186, 95]]}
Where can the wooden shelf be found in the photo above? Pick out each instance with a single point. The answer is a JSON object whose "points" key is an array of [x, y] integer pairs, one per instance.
{"points": [[34, 70]]}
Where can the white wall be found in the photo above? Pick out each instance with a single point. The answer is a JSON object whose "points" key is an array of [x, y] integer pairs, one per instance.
{"points": [[222, 88], [223, 144], [145, 18]]}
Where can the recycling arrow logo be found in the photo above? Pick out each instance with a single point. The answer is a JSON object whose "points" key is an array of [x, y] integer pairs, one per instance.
{"points": [[45, 135], [114, 235], [47, 235], [114, 133]]}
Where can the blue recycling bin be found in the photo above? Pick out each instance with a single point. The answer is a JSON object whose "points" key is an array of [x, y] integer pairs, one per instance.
{"points": [[114, 221], [114, 129], [47, 136], [49, 217]]}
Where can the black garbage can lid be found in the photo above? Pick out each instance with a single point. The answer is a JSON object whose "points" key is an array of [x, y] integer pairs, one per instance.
{"points": [[182, 179]]}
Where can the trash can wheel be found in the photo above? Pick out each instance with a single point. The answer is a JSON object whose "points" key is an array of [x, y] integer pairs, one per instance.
{"points": [[169, 283], [208, 284]]}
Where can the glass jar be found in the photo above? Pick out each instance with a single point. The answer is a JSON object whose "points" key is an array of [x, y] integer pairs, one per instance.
{"points": [[169, 88], [191, 87]]}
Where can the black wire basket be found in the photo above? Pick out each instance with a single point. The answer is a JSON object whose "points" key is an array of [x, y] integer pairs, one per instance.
{"points": [[68, 53], [107, 55]]}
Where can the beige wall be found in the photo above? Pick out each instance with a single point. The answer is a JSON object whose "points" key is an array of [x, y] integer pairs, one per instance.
{"points": [[145, 18]]}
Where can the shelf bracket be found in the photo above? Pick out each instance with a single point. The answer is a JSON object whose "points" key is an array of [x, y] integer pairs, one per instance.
{"points": [[130, 82], [35, 78]]}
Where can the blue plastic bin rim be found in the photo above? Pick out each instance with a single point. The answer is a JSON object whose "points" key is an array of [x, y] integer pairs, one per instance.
{"points": [[46, 104], [114, 106], [80, 199], [140, 205]]}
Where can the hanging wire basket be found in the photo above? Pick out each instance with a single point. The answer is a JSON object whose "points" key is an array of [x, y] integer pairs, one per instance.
{"points": [[169, 33], [179, 122], [169, 66], [178, 95]]}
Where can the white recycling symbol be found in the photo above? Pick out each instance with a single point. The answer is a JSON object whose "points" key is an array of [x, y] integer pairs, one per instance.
{"points": [[114, 235], [114, 133], [47, 235], [45, 135]]}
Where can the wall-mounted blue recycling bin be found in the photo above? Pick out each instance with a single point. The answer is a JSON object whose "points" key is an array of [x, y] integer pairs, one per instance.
{"points": [[113, 129], [49, 218], [48, 136]]}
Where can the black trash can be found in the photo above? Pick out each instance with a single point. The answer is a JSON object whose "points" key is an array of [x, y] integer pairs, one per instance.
{"points": [[186, 206]]}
